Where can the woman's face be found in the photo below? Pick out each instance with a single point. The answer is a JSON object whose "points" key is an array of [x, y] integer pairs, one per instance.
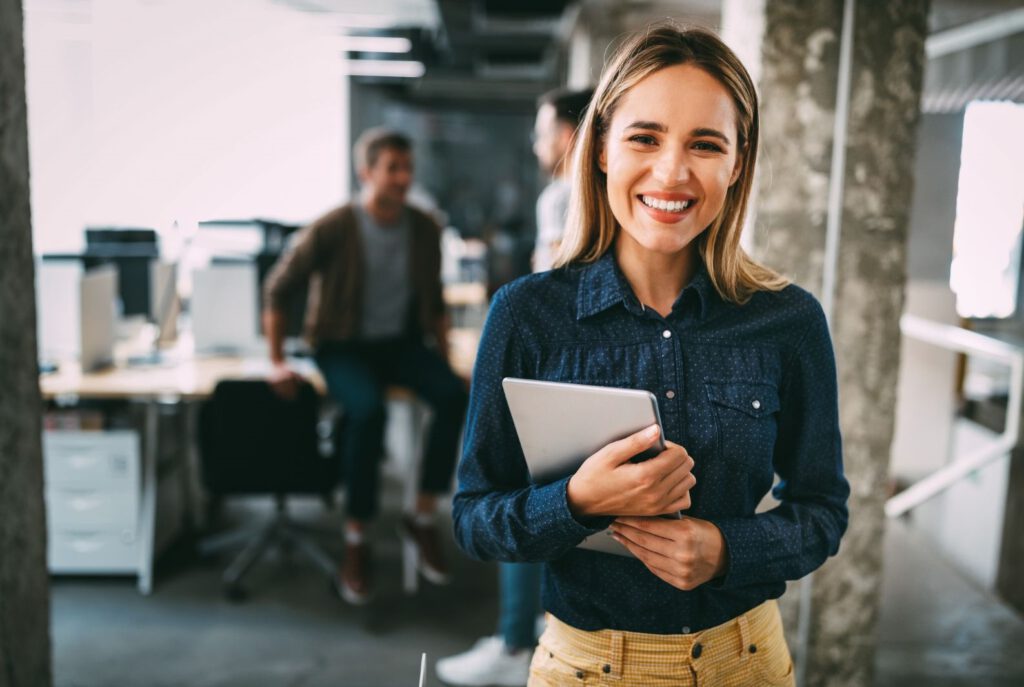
{"points": [[670, 155]]}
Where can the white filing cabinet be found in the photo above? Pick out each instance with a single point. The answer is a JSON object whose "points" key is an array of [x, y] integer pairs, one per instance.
{"points": [[93, 483]]}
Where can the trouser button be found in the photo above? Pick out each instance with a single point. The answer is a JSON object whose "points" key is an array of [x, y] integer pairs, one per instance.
{"points": [[697, 650]]}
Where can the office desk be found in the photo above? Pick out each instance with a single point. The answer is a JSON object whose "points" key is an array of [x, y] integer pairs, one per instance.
{"points": [[185, 378]]}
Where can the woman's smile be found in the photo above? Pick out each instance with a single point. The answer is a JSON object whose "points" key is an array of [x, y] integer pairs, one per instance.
{"points": [[667, 208]]}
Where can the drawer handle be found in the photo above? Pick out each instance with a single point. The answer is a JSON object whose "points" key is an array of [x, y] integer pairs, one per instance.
{"points": [[83, 503], [82, 462], [86, 545]]}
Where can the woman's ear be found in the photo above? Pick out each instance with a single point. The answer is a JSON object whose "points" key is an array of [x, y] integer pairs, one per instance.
{"points": [[602, 159], [737, 169]]}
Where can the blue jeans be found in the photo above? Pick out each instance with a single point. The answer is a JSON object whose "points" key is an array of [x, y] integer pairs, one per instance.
{"points": [[356, 373], [520, 603]]}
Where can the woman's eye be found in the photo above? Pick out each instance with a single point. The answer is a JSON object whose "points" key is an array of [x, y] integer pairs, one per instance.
{"points": [[643, 139], [708, 146]]}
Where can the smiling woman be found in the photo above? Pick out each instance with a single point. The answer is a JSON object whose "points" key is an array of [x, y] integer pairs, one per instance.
{"points": [[653, 291]]}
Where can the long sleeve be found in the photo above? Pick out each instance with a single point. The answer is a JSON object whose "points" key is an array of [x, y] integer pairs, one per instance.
{"points": [[797, 536], [292, 270], [498, 513]]}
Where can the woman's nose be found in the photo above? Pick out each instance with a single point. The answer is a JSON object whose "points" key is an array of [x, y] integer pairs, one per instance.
{"points": [[672, 167]]}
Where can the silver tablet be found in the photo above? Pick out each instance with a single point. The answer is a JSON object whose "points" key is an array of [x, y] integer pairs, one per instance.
{"points": [[560, 425]]}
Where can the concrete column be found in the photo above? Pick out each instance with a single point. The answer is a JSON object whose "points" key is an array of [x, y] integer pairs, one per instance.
{"points": [[800, 52], [24, 586]]}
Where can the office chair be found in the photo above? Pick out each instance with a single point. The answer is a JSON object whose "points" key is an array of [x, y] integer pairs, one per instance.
{"points": [[254, 442]]}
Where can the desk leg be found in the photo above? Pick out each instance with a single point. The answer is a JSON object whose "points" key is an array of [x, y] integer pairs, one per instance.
{"points": [[147, 514], [195, 516], [417, 416]]}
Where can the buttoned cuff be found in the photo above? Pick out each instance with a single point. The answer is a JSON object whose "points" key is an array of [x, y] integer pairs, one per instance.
{"points": [[745, 549], [548, 511]]}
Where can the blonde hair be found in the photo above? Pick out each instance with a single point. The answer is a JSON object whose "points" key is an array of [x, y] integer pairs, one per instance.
{"points": [[591, 227]]}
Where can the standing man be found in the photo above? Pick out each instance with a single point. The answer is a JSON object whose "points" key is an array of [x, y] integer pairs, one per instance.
{"points": [[504, 659], [375, 316], [559, 112]]}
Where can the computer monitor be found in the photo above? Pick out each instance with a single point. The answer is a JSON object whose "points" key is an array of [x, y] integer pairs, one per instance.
{"points": [[224, 308], [260, 240], [132, 250], [76, 312], [244, 236]]}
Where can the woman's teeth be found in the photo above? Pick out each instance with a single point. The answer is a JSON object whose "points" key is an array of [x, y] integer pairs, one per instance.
{"points": [[666, 205]]}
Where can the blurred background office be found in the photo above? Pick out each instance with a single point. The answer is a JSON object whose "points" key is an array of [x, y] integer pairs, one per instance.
{"points": [[161, 153]]}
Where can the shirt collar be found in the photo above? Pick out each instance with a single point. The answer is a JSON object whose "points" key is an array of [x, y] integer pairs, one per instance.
{"points": [[705, 292], [602, 285]]}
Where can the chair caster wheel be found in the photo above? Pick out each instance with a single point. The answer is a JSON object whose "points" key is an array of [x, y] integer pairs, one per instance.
{"points": [[235, 593]]}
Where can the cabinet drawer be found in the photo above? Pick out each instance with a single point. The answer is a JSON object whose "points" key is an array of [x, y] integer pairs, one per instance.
{"points": [[72, 507], [94, 459], [93, 550]]}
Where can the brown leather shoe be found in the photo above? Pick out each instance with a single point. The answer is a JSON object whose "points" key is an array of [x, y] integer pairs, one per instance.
{"points": [[355, 577], [429, 554]]}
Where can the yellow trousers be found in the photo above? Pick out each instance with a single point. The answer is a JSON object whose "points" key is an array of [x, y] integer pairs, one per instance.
{"points": [[747, 651]]}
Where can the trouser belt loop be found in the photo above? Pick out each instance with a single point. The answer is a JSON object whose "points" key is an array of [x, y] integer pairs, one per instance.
{"points": [[743, 622], [615, 655]]}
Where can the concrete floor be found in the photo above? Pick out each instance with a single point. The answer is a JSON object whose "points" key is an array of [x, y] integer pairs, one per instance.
{"points": [[936, 628]]}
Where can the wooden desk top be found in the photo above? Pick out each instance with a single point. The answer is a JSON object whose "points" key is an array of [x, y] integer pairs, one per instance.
{"points": [[465, 294], [193, 377]]}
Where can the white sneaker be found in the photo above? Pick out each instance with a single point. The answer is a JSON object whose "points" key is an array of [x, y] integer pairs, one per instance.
{"points": [[487, 663]]}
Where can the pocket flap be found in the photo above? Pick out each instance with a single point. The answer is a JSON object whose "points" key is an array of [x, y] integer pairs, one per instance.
{"points": [[756, 400]]}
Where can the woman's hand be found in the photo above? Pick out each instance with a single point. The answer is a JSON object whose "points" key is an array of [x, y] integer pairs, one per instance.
{"points": [[685, 553], [608, 484]]}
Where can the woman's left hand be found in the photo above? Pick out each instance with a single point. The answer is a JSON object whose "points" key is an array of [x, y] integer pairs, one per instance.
{"points": [[685, 553]]}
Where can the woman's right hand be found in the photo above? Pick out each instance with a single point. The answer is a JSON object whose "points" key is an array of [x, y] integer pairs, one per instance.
{"points": [[609, 484]]}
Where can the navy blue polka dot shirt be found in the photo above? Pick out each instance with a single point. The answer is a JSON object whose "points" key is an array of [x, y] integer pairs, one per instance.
{"points": [[749, 390]]}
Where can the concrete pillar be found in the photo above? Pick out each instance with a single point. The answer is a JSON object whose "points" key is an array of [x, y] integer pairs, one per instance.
{"points": [[24, 586], [800, 53]]}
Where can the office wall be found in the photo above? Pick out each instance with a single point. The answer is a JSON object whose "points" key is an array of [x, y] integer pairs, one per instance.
{"points": [[150, 113]]}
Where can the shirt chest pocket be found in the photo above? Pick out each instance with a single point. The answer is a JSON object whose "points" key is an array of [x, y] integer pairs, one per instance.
{"points": [[745, 413]]}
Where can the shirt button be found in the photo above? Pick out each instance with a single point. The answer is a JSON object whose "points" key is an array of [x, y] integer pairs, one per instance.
{"points": [[667, 334], [756, 404], [606, 668], [579, 674], [686, 629], [670, 394]]}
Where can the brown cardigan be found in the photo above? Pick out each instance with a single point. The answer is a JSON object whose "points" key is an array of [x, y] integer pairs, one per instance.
{"points": [[329, 255]]}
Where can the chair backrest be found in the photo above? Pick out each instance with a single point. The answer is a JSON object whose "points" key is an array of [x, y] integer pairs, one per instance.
{"points": [[253, 441]]}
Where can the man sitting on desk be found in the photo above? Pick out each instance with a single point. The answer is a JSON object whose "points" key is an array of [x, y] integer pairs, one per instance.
{"points": [[375, 300]]}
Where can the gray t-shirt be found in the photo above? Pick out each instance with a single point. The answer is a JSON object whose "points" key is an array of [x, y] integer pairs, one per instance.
{"points": [[552, 208], [387, 290]]}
